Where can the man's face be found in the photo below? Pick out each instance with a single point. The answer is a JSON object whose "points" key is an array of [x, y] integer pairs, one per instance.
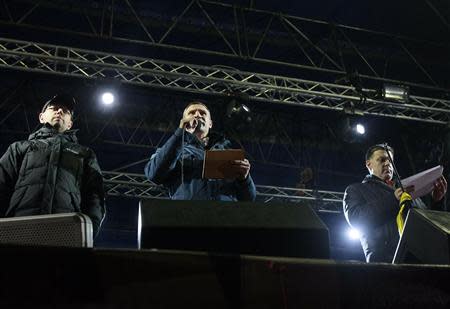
{"points": [[57, 116], [203, 117], [380, 166]]}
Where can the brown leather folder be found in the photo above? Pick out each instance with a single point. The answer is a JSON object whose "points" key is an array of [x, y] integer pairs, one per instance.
{"points": [[216, 164]]}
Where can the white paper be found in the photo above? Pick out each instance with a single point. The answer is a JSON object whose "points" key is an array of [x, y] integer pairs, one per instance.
{"points": [[423, 182]]}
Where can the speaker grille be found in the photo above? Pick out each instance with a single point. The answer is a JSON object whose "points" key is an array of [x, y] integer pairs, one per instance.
{"points": [[66, 230]]}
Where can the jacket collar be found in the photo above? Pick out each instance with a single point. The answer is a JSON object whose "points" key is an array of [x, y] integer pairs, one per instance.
{"points": [[214, 138], [374, 179], [47, 131]]}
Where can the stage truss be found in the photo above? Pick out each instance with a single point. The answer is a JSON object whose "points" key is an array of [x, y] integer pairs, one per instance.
{"points": [[138, 186], [63, 60]]}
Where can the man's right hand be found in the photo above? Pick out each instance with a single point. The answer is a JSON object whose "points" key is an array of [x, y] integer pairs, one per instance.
{"points": [[399, 191], [188, 122]]}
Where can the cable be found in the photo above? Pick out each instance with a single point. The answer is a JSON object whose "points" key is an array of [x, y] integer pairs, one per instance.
{"points": [[182, 158]]}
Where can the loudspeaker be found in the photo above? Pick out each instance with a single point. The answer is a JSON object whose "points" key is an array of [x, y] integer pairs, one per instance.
{"points": [[270, 229], [425, 238], [58, 230]]}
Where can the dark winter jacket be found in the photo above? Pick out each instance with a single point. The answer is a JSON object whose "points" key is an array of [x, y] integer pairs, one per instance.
{"points": [[371, 207], [51, 173], [165, 164]]}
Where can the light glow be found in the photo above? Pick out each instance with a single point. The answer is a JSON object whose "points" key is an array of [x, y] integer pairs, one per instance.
{"points": [[360, 129], [107, 98], [353, 234]]}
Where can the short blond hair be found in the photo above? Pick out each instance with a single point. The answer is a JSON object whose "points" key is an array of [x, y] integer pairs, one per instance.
{"points": [[196, 103]]}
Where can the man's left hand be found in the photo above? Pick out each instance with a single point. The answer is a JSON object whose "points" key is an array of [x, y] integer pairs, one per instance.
{"points": [[440, 188], [240, 168]]}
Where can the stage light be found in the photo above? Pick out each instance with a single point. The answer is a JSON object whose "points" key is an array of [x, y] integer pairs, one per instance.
{"points": [[238, 110], [397, 93], [353, 130], [238, 116], [107, 98], [360, 129], [353, 234]]}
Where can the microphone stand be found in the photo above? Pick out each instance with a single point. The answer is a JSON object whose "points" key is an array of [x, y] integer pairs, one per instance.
{"points": [[397, 180], [405, 202]]}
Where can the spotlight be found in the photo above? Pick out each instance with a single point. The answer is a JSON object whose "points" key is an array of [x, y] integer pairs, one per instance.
{"points": [[107, 98], [353, 129], [397, 93], [238, 112], [353, 234], [360, 129]]}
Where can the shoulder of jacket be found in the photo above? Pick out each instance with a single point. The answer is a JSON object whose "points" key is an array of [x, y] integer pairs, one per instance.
{"points": [[357, 186], [20, 146]]}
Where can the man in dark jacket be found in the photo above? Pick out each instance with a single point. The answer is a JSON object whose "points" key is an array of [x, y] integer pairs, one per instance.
{"points": [[178, 163], [50, 172], [372, 206]]}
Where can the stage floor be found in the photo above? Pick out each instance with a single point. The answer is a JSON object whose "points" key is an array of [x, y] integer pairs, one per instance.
{"points": [[37, 277]]}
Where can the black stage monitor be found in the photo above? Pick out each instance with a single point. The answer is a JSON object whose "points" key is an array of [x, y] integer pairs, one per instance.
{"points": [[269, 229], [425, 239]]}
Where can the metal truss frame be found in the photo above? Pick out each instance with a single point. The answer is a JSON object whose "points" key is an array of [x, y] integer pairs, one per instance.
{"points": [[62, 60], [132, 185], [138, 186], [238, 32]]}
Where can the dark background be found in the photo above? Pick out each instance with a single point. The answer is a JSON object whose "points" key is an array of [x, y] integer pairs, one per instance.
{"points": [[282, 140]]}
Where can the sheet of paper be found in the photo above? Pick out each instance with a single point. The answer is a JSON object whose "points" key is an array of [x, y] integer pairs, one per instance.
{"points": [[423, 182], [216, 164]]}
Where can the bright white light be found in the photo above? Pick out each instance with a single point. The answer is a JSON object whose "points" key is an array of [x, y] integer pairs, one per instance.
{"points": [[353, 234], [360, 129], [107, 98]]}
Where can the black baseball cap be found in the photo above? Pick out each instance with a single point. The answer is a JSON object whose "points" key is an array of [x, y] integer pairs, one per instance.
{"points": [[65, 100]]}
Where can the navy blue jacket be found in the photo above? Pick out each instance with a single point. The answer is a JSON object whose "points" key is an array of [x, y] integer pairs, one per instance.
{"points": [[371, 207], [165, 164]]}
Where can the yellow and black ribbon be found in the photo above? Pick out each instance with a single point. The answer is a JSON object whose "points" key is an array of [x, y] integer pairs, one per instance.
{"points": [[405, 205]]}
